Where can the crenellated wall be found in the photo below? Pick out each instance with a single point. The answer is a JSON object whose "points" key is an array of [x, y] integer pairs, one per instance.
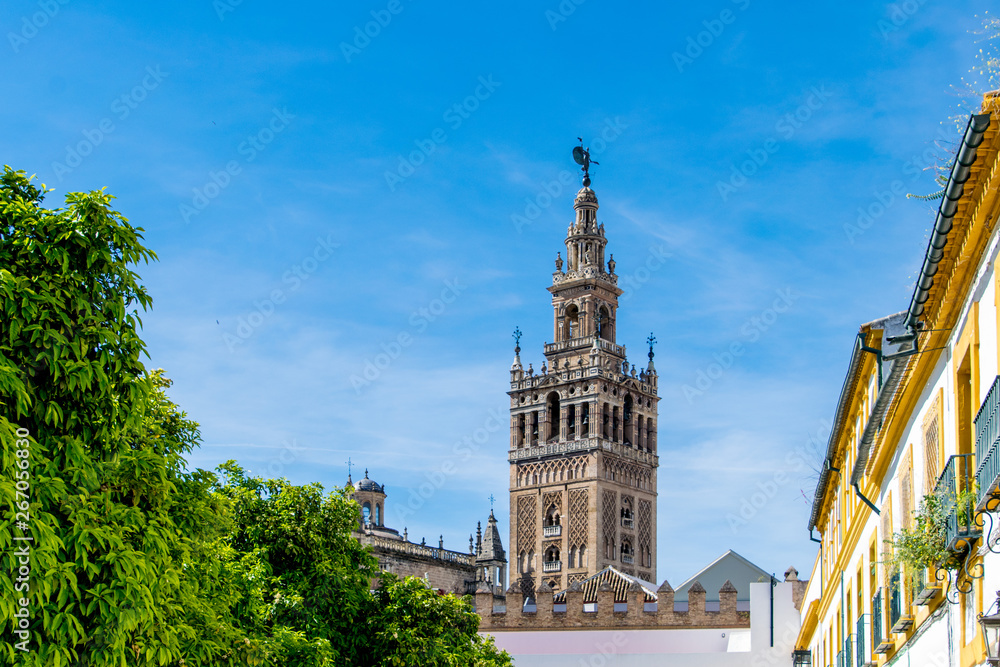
{"points": [[634, 612]]}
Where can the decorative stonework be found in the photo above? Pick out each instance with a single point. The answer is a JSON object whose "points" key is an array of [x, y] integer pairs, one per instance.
{"points": [[526, 517], [579, 511], [609, 521], [550, 499], [644, 525], [553, 470], [627, 473]]}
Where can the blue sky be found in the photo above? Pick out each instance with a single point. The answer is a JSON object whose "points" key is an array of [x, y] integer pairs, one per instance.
{"points": [[317, 199]]}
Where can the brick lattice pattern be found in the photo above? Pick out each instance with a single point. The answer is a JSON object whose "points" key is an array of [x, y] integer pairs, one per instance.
{"points": [[526, 513], [578, 513], [644, 515], [610, 516]]}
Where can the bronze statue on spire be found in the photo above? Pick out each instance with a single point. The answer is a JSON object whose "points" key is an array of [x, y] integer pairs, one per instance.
{"points": [[582, 157]]}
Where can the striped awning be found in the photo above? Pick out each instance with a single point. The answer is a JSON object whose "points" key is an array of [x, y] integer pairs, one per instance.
{"points": [[619, 582]]}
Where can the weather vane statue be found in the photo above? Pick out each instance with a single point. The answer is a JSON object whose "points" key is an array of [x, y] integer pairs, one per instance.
{"points": [[582, 157]]}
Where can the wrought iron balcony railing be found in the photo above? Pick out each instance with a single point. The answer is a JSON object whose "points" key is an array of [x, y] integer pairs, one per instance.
{"points": [[881, 643], [863, 641], [551, 531], [988, 446], [899, 619], [924, 590], [952, 491], [626, 523], [628, 559], [848, 651]]}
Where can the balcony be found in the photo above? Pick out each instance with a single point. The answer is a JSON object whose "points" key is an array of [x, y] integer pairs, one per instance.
{"points": [[628, 559], [551, 531], [988, 447], [627, 523], [924, 591], [848, 652], [954, 493], [802, 658], [881, 644], [899, 622], [552, 566], [863, 652]]}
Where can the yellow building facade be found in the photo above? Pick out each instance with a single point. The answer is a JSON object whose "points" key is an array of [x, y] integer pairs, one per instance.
{"points": [[915, 435]]}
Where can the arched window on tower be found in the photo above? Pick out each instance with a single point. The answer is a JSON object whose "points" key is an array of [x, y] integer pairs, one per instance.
{"points": [[582, 556], [627, 420], [606, 421], [585, 420], [650, 435], [615, 421], [627, 513], [571, 422], [552, 516], [378, 515], [627, 555], [552, 417], [571, 322], [366, 513], [604, 324], [572, 557]]}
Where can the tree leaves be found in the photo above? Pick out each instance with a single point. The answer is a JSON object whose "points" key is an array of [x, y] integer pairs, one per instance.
{"points": [[137, 561]]}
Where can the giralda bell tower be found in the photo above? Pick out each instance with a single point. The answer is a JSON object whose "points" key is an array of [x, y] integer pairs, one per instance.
{"points": [[583, 428]]}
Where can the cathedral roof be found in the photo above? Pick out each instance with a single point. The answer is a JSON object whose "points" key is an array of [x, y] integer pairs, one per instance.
{"points": [[491, 547], [370, 485]]}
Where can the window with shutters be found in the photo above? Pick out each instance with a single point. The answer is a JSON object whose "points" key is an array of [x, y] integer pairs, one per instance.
{"points": [[932, 445], [886, 546], [906, 493]]}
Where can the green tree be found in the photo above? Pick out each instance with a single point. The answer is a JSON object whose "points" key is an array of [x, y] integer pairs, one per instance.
{"points": [[312, 604], [135, 560], [117, 522], [411, 625]]}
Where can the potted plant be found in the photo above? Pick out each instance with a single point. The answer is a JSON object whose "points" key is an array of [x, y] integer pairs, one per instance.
{"points": [[923, 547]]}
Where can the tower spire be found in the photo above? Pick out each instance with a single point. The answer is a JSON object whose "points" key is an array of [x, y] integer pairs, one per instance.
{"points": [[588, 411], [582, 157], [650, 369]]}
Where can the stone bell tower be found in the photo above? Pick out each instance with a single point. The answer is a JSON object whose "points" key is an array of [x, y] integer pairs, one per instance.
{"points": [[583, 429]]}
